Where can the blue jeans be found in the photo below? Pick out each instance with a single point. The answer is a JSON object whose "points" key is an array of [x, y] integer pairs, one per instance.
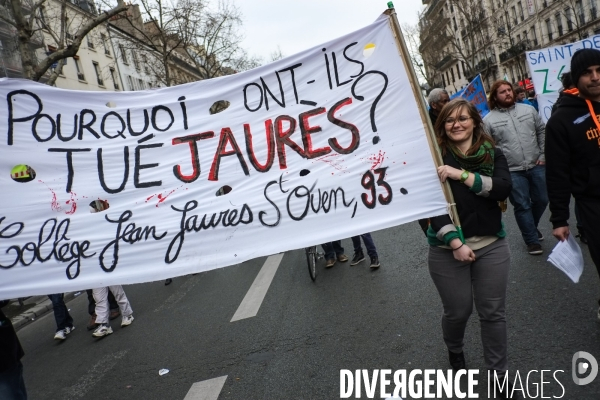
{"points": [[529, 198], [61, 313], [333, 249], [12, 385], [369, 244]]}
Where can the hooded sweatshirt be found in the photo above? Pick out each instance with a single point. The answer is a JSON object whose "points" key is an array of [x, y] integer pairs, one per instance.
{"points": [[572, 154]]}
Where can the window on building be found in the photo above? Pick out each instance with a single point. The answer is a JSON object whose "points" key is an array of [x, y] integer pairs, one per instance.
{"points": [[448, 77], [68, 34], [452, 74], [443, 81], [113, 76], [593, 9], [43, 16], [580, 13], [136, 62], [130, 82], [105, 44], [569, 17], [98, 73], [123, 54], [51, 49], [79, 69], [458, 71], [463, 66], [514, 15], [141, 84], [534, 36], [549, 29], [90, 42], [559, 25], [521, 14]]}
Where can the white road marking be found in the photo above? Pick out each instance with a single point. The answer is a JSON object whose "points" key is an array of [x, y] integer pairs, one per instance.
{"points": [[206, 390], [93, 376], [258, 290], [180, 293]]}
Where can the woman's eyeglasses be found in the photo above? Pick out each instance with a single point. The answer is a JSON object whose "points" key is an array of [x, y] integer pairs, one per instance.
{"points": [[462, 119]]}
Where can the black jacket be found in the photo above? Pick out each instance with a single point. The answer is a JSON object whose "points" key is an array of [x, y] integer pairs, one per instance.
{"points": [[10, 347], [432, 116], [479, 216], [572, 156]]}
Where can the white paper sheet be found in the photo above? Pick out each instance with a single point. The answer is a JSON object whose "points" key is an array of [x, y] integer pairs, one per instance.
{"points": [[567, 257]]}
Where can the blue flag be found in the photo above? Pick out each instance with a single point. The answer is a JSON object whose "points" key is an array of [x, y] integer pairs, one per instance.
{"points": [[475, 93]]}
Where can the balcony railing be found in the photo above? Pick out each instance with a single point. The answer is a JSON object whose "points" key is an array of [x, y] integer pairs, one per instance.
{"points": [[485, 63], [443, 61], [514, 51]]}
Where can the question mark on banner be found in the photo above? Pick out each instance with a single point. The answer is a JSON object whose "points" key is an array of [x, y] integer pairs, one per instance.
{"points": [[367, 53]]}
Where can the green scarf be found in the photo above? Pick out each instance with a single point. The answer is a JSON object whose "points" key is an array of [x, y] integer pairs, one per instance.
{"points": [[482, 161]]}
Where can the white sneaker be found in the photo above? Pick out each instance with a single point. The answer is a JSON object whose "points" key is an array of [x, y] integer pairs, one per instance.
{"points": [[102, 330], [62, 334], [127, 320]]}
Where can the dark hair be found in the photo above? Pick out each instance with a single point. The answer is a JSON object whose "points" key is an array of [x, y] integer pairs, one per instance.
{"points": [[566, 80], [479, 133], [492, 97], [519, 89]]}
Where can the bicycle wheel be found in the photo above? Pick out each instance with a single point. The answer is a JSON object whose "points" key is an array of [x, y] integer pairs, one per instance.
{"points": [[311, 259]]}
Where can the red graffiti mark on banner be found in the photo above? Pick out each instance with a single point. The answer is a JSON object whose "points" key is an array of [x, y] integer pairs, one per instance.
{"points": [[73, 204], [376, 159], [55, 203], [332, 160], [162, 197]]}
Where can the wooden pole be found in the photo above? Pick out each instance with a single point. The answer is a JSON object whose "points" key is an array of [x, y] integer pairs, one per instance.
{"points": [[431, 138]]}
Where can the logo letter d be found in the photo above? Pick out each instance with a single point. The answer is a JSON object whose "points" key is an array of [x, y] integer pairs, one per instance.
{"points": [[583, 367]]}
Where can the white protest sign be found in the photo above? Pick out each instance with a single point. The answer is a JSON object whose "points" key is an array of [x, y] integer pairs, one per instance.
{"points": [[323, 145], [546, 67]]}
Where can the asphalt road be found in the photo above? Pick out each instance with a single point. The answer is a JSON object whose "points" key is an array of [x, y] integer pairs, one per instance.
{"points": [[304, 333]]}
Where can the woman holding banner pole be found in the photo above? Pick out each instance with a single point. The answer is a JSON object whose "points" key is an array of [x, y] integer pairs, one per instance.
{"points": [[475, 269]]}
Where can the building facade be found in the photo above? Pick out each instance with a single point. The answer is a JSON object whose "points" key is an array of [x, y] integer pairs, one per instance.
{"points": [[463, 38], [110, 58]]}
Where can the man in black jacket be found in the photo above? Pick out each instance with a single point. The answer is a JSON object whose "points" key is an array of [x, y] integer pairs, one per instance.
{"points": [[12, 386], [437, 99], [573, 152]]}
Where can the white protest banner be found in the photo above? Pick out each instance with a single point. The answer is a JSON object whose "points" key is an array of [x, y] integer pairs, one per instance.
{"points": [[323, 145], [546, 67]]}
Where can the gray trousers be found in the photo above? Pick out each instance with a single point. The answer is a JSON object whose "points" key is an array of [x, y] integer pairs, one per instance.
{"points": [[485, 281], [101, 299]]}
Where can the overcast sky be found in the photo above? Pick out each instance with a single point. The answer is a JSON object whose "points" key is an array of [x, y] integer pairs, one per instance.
{"points": [[296, 25]]}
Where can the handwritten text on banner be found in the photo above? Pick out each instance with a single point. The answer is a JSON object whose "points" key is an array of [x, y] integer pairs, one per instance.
{"points": [[323, 145]]}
